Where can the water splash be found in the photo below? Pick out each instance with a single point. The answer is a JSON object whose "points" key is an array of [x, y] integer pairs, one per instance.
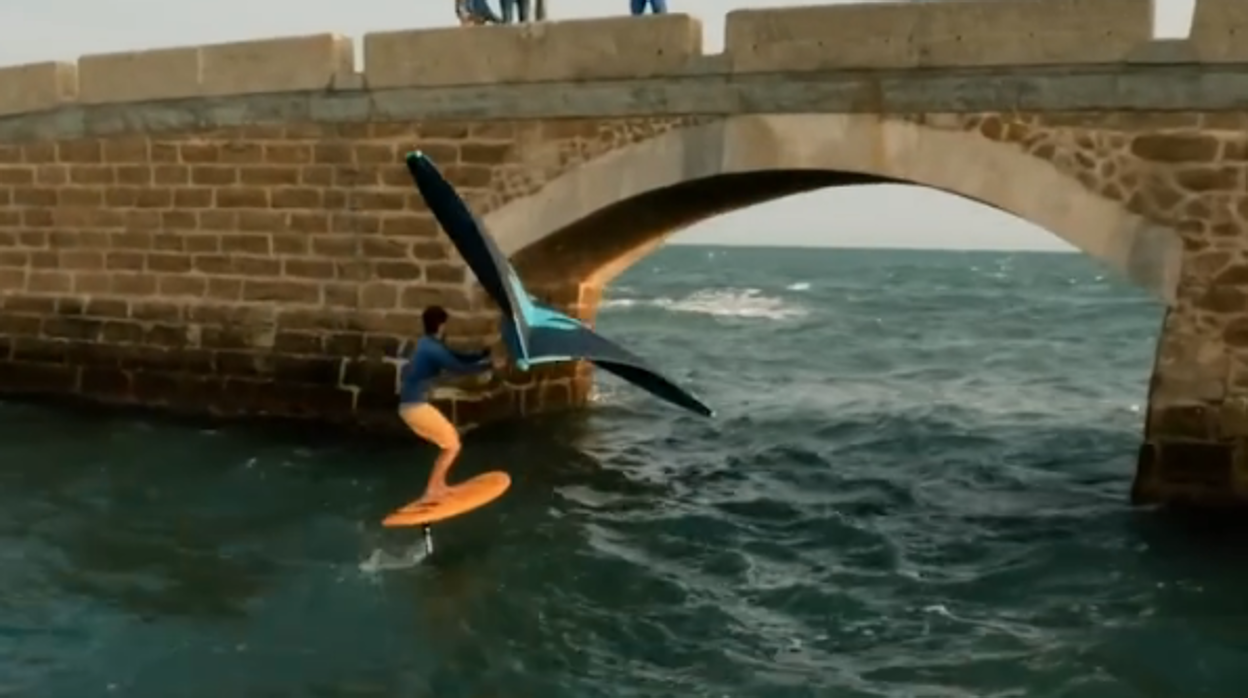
{"points": [[382, 560]]}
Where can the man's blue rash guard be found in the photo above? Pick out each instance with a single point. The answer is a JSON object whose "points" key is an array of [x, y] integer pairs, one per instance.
{"points": [[430, 358]]}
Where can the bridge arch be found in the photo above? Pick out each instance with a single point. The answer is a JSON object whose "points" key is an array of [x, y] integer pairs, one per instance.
{"points": [[589, 224]]}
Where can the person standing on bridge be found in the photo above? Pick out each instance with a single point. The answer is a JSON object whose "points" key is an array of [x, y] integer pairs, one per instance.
{"points": [[475, 13], [657, 7], [428, 361], [515, 9]]}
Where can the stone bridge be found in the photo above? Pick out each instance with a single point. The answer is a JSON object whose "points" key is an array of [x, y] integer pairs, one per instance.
{"points": [[230, 229]]}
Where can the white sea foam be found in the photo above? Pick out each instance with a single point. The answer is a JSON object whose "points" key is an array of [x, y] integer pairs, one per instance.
{"points": [[729, 302]]}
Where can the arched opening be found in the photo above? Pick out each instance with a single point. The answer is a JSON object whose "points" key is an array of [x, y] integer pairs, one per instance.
{"points": [[590, 223], [605, 222]]}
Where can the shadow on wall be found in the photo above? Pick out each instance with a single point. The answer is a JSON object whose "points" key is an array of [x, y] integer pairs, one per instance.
{"points": [[596, 248]]}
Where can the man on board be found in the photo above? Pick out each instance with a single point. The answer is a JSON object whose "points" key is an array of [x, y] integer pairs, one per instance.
{"points": [[428, 361]]}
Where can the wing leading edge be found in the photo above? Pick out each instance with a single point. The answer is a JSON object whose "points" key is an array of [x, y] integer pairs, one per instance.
{"points": [[480, 253], [535, 334]]}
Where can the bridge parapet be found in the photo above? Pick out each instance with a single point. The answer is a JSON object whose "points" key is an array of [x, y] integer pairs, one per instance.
{"points": [[875, 36], [951, 33]]}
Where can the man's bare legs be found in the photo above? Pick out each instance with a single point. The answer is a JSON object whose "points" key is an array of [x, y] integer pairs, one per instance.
{"points": [[430, 424], [437, 487]]}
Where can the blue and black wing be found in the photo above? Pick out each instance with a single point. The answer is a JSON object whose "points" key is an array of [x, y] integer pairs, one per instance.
{"points": [[477, 248], [533, 333], [554, 336]]}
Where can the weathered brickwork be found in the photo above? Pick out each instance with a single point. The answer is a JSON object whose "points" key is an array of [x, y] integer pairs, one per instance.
{"points": [[263, 270]]}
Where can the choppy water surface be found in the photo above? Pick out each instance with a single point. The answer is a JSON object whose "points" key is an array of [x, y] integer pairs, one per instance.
{"points": [[916, 486]]}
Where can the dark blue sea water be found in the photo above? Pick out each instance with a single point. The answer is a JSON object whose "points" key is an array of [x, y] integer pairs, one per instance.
{"points": [[916, 486]]}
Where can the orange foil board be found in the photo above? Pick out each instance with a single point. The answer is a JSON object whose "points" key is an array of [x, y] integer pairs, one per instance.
{"points": [[468, 495]]}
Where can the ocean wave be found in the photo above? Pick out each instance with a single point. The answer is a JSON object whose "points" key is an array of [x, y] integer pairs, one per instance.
{"points": [[725, 302], [918, 489]]}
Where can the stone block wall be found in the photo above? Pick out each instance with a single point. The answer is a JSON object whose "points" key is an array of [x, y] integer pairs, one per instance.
{"points": [[247, 270]]}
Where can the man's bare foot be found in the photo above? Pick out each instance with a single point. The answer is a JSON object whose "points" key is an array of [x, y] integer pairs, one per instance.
{"points": [[433, 494]]}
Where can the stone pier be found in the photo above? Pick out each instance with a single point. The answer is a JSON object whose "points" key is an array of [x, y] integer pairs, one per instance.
{"points": [[230, 228]]}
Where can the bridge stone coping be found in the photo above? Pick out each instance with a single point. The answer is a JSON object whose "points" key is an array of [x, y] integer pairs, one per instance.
{"points": [[594, 49], [1220, 31], [882, 36], [947, 33], [37, 87], [275, 65]]}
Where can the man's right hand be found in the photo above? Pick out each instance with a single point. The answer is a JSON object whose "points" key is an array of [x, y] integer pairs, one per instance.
{"points": [[498, 361]]}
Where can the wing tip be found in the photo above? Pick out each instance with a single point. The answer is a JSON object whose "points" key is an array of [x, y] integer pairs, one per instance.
{"points": [[416, 156]]}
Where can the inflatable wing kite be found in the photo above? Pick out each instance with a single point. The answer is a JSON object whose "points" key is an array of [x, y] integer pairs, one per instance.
{"points": [[533, 333]]}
